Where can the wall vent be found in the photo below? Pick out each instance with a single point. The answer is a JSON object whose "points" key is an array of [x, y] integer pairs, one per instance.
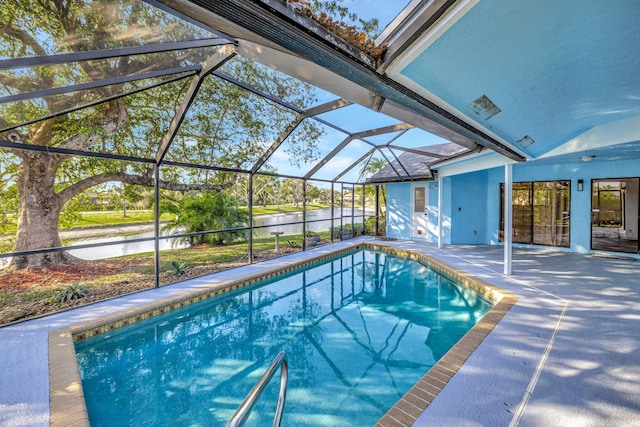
{"points": [[484, 107], [525, 141]]}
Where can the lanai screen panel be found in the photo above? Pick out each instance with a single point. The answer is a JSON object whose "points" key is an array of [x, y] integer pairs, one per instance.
{"points": [[96, 25], [303, 147], [339, 167], [400, 168], [415, 138], [131, 126], [274, 84], [356, 118], [371, 165], [227, 126], [384, 139], [204, 221], [93, 41], [319, 209], [83, 70], [81, 103]]}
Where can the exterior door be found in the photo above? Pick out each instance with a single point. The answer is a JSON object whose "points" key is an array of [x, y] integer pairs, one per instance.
{"points": [[420, 211], [615, 215]]}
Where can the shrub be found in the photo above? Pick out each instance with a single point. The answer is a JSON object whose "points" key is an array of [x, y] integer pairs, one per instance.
{"points": [[292, 244], [74, 291], [178, 268], [370, 226], [208, 211], [358, 229], [337, 232]]}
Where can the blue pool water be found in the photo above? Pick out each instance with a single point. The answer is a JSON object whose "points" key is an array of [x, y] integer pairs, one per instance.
{"points": [[358, 331]]}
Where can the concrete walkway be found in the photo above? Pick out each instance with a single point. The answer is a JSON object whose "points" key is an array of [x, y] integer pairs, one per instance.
{"points": [[567, 354]]}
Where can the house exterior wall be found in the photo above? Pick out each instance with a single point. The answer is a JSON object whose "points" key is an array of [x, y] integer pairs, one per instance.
{"points": [[471, 201], [580, 200], [399, 210], [433, 212], [470, 209]]}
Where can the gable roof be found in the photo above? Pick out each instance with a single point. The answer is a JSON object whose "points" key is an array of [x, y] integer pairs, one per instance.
{"points": [[416, 164]]}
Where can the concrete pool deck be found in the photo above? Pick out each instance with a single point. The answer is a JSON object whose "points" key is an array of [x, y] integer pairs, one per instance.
{"points": [[566, 354]]}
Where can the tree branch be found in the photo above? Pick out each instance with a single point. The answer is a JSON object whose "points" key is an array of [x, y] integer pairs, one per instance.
{"points": [[11, 136], [14, 83], [114, 117], [24, 37], [145, 181]]}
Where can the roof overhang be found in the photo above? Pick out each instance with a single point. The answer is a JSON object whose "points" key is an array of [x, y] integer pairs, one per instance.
{"points": [[538, 77], [275, 34]]}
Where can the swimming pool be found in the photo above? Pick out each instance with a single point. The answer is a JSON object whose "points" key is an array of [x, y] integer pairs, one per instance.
{"points": [[359, 330]]}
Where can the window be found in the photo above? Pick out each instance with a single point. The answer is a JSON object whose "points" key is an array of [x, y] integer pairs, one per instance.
{"points": [[541, 212], [419, 199]]}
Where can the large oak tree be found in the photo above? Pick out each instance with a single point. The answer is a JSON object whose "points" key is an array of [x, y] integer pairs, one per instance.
{"points": [[226, 125]]}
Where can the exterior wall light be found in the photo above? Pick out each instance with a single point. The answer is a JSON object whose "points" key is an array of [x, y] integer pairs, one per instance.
{"points": [[580, 184]]}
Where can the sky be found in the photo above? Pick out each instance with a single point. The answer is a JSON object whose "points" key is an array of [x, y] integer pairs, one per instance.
{"points": [[384, 10]]}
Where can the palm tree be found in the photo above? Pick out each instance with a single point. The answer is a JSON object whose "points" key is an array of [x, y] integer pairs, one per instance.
{"points": [[209, 211]]}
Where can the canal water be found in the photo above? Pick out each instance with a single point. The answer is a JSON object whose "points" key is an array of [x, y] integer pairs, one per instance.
{"points": [[264, 225]]}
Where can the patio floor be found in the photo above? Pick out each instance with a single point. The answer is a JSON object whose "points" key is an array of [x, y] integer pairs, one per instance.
{"points": [[567, 354]]}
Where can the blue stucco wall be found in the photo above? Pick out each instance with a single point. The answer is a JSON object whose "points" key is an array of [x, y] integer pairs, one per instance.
{"points": [[471, 201], [469, 208], [580, 200], [432, 235], [399, 210]]}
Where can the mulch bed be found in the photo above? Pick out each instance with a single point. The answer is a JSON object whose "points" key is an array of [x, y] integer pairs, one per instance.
{"points": [[18, 289], [63, 274]]}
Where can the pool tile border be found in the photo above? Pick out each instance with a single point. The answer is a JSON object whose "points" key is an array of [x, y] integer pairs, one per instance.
{"points": [[67, 404], [409, 408]]}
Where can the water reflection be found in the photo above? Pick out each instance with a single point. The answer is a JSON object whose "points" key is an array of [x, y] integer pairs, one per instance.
{"points": [[274, 221], [358, 331], [322, 215], [126, 248]]}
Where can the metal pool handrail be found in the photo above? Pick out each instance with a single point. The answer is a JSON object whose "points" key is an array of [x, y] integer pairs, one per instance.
{"points": [[243, 411]]}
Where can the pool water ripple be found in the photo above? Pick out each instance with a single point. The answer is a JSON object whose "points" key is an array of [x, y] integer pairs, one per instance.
{"points": [[359, 331]]}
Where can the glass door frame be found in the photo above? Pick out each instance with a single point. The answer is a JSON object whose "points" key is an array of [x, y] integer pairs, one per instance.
{"points": [[624, 221]]}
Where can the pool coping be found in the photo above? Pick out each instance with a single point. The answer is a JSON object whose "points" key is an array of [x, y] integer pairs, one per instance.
{"points": [[407, 410], [67, 403]]}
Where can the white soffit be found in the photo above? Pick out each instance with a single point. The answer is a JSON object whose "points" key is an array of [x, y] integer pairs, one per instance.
{"points": [[471, 163], [620, 132]]}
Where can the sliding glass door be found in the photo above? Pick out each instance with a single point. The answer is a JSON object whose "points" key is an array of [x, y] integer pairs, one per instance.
{"points": [[615, 215], [541, 213]]}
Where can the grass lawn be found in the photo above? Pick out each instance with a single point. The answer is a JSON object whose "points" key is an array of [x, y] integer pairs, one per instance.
{"points": [[107, 218]]}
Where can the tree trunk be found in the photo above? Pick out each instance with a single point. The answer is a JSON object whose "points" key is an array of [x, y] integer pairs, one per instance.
{"points": [[38, 212]]}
